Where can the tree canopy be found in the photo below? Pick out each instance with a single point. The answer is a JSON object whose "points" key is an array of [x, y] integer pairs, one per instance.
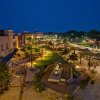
{"points": [[4, 76], [94, 34]]}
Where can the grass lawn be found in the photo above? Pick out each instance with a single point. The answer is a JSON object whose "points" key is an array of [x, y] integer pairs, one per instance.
{"points": [[50, 58]]}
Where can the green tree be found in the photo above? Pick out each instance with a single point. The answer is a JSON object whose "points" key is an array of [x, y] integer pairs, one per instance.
{"points": [[4, 76], [73, 56], [81, 55], [29, 39], [94, 34]]}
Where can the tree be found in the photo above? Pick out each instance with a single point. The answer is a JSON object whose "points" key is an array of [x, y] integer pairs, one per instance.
{"points": [[94, 34], [29, 39], [4, 76], [73, 56], [81, 55], [90, 63], [29, 51], [64, 51]]}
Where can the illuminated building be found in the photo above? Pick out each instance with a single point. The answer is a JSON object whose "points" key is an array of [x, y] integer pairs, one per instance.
{"points": [[6, 42]]}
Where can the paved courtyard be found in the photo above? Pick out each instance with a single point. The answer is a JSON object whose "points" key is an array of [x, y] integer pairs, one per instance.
{"points": [[14, 94], [92, 92]]}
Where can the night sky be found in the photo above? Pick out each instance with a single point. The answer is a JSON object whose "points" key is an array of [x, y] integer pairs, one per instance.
{"points": [[49, 15]]}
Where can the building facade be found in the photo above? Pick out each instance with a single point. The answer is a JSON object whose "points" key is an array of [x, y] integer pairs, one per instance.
{"points": [[6, 42]]}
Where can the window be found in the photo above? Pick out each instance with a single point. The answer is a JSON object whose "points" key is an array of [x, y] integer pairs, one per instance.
{"points": [[1, 47], [6, 45]]}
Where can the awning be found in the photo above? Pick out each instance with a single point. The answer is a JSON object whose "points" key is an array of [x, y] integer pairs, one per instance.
{"points": [[9, 56]]}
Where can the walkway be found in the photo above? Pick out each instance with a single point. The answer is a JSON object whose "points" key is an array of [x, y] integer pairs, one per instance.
{"points": [[13, 94], [92, 92]]}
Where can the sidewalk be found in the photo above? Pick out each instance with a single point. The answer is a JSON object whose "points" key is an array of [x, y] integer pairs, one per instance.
{"points": [[13, 94], [92, 92]]}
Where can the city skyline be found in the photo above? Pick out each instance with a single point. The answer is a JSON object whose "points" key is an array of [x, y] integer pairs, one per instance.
{"points": [[49, 15]]}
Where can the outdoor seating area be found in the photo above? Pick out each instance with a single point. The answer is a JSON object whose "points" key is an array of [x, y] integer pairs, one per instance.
{"points": [[55, 75], [54, 80], [58, 74]]}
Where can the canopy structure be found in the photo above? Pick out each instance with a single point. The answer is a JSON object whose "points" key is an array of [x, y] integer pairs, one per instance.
{"points": [[9, 56]]}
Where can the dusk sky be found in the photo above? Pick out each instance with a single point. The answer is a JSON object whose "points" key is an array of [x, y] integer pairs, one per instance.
{"points": [[49, 15]]}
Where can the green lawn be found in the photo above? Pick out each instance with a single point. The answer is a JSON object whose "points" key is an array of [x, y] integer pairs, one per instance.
{"points": [[50, 58]]}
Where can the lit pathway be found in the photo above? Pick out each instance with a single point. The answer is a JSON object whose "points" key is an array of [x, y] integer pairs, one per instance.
{"points": [[47, 52]]}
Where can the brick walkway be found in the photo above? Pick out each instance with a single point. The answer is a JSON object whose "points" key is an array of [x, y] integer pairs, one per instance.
{"points": [[92, 92]]}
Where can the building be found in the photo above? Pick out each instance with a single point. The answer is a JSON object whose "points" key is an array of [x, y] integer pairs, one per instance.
{"points": [[16, 41], [6, 42], [24, 37], [39, 35]]}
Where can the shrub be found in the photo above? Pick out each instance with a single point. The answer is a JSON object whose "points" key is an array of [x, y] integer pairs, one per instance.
{"points": [[75, 73], [39, 87]]}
